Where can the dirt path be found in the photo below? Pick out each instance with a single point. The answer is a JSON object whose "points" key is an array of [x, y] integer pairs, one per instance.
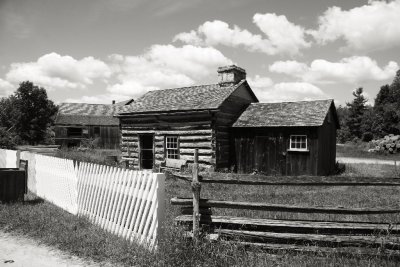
{"points": [[365, 160], [18, 251]]}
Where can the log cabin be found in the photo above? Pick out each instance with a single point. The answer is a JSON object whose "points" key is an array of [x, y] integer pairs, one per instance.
{"points": [[76, 122], [230, 129], [172, 123]]}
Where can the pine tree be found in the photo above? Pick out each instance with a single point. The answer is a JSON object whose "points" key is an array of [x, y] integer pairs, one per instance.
{"points": [[356, 113]]}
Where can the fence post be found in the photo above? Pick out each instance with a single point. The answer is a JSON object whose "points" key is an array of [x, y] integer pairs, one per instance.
{"points": [[196, 187]]}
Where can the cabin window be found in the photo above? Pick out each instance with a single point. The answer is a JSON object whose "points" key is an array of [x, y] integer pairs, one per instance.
{"points": [[74, 132], [298, 142], [172, 147]]}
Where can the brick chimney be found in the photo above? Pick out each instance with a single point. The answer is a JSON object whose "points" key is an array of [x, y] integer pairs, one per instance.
{"points": [[230, 75]]}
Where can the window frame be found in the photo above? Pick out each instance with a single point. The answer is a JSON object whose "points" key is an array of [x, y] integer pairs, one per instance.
{"points": [[292, 136], [176, 149]]}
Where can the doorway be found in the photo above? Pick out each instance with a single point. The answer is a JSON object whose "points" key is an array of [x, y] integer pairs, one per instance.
{"points": [[146, 151]]}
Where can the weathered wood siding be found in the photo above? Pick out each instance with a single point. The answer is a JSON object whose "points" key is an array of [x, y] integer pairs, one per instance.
{"points": [[108, 138], [228, 113], [327, 145], [192, 128], [265, 150]]}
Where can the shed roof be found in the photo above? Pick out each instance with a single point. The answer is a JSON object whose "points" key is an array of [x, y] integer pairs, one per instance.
{"points": [[200, 97], [88, 114], [285, 114]]}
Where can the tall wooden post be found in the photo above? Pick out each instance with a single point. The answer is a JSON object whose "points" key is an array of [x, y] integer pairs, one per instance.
{"points": [[196, 187]]}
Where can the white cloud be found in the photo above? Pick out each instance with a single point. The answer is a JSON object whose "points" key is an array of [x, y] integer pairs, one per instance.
{"points": [[374, 26], [259, 82], [282, 36], [6, 88], [164, 66], [53, 71], [289, 91], [347, 70]]}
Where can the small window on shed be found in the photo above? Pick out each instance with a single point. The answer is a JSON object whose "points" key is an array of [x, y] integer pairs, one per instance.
{"points": [[74, 132], [298, 143], [172, 147]]}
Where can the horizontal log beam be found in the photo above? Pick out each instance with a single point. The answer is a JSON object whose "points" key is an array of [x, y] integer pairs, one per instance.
{"points": [[283, 208], [207, 159], [255, 182], [294, 226], [195, 138], [195, 145], [172, 132], [191, 151], [313, 239]]}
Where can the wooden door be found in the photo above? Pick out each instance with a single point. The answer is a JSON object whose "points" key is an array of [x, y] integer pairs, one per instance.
{"points": [[266, 156], [146, 151]]}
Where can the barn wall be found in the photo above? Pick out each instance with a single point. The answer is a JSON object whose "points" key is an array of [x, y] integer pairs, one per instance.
{"points": [[228, 113], [192, 128], [109, 137], [327, 148], [265, 150]]}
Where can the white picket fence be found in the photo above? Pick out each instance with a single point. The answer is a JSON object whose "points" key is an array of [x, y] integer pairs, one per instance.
{"points": [[8, 158], [124, 202]]}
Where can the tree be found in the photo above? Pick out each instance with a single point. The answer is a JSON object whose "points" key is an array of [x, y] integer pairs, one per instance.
{"points": [[387, 109], [356, 113], [34, 112]]}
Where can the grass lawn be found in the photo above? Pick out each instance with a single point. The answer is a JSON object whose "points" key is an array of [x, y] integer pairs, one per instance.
{"points": [[361, 151], [55, 227]]}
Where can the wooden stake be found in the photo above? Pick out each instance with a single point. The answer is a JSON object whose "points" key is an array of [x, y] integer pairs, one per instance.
{"points": [[196, 187]]}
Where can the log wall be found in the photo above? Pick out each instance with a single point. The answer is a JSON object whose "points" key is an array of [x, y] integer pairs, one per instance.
{"points": [[192, 128]]}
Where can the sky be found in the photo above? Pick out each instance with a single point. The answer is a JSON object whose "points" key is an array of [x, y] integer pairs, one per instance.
{"points": [[96, 51]]}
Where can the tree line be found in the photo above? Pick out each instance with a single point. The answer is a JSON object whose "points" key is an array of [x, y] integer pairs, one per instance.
{"points": [[359, 121], [26, 117]]}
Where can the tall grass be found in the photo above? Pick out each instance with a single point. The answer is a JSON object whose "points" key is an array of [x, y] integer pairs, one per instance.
{"points": [[55, 227]]}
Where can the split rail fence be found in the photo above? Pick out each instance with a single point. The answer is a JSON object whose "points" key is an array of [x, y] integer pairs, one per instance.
{"points": [[299, 235], [124, 202]]}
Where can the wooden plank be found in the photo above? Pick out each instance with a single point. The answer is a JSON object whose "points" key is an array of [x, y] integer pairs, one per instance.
{"points": [[292, 226], [321, 251], [260, 182], [388, 242], [284, 208]]}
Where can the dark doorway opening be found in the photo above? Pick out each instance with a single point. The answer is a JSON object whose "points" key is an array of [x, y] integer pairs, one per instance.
{"points": [[146, 151]]}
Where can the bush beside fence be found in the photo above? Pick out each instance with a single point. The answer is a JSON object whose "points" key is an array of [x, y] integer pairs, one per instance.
{"points": [[125, 202]]}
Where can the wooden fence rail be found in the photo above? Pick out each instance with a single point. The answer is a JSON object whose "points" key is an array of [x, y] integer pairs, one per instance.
{"points": [[299, 235]]}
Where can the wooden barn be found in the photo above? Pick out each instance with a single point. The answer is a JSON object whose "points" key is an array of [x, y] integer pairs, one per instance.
{"points": [[171, 123], [76, 122], [290, 138]]}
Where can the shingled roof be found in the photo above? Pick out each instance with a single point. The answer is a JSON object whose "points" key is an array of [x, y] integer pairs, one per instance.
{"points": [[88, 114], [201, 97], [285, 114]]}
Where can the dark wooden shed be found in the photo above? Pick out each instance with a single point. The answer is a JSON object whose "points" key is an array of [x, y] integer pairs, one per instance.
{"points": [[76, 122], [289, 138], [172, 123]]}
